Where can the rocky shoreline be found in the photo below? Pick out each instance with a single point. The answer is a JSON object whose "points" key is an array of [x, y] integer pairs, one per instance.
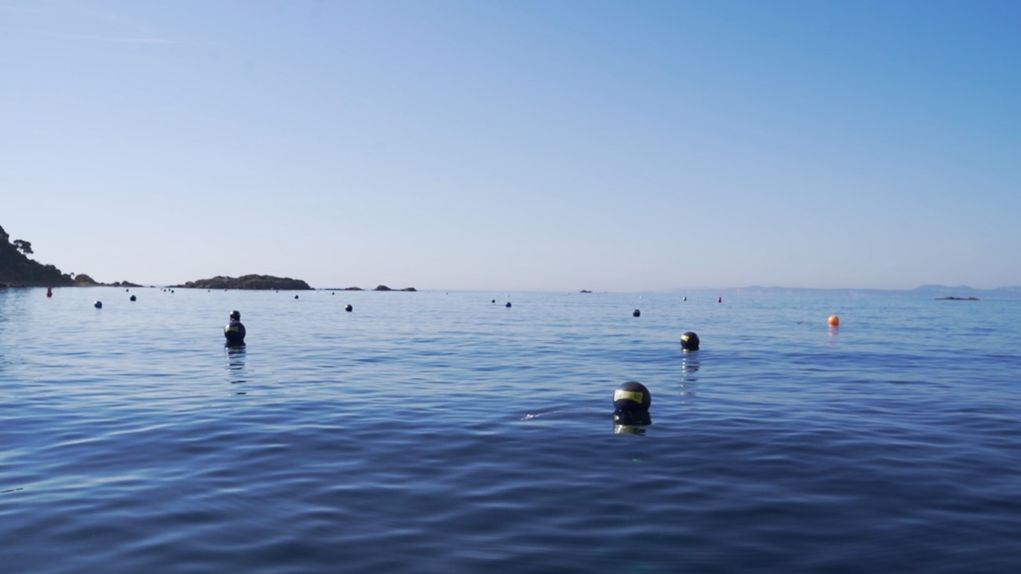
{"points": [[376, 288]]}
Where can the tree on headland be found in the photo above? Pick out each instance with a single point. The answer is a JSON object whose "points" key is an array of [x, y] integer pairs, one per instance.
{"points": [[17, 270], [23, 246]]}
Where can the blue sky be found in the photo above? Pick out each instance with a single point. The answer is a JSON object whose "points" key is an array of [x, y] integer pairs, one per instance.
{"points": [[516, 145]]}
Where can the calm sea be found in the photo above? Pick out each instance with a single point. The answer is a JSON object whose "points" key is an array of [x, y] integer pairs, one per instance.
{"points": [[436, 432]]}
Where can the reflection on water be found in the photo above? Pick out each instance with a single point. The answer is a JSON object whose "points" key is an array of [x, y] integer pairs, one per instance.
{"points": [[628, 429], [630, 422], [236, 366], [689, 368]]}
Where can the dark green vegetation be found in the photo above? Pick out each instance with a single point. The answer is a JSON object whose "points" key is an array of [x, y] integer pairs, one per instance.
{"points": [[17, 270], [247, 282], [385, 288]]}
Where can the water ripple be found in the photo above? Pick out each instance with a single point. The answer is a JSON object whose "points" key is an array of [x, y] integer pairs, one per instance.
{"points": [[434, 432]]}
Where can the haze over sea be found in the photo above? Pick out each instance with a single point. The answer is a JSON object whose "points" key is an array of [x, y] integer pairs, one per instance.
{"points": [[436, 432]]}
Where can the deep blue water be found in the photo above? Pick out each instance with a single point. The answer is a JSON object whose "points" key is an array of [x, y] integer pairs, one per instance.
{"points": [[434, 432]]}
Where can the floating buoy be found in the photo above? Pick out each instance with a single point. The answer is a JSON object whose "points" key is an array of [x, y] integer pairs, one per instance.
{"points": [[636, 313], [631, 402], [49, 291], [689, 341], [349, 308], [507, 305], [833, 321], [133, 298], [295, 296], [234, 332], [494, 301], [719, 299], [98, 305], [685, 299]]}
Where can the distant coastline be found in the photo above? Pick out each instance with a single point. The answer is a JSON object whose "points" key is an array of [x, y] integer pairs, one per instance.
{"points": [[376, 288], [256, 282], [251, 281], [944, 292], [19, 270]]}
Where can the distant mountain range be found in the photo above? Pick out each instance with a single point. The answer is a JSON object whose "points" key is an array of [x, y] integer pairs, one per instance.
{"points": [[934, 291], [1012, 292]]}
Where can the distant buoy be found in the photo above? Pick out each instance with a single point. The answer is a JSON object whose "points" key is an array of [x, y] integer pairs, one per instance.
{"points": [[349, 308], [719, 299], [126, 290], [98, 305], [689, 341], [833, 321], [631, 402], [49, 291], [494, 301], [685, 299], [295, 296], [636, 313], [133, 298], [507, 305]]}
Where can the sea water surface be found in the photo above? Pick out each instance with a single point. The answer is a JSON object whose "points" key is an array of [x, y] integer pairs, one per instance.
{"points": [[443, 432]]}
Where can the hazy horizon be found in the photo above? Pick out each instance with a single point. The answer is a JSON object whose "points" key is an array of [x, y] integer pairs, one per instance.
{"points": [[524, 146]]}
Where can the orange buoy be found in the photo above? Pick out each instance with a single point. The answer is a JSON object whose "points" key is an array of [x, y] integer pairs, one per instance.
{"points": [[833, 321]]}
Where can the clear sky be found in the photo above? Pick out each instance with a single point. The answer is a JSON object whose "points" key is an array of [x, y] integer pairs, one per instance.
{"points": [[540, 145]]}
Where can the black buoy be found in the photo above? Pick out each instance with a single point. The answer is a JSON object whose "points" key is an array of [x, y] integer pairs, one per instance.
{"points": [[631, 402], [507, 305], [126, 290], [494, 300], [98, 305], [234, 332], [295, 296], [133, 298], [636, 313], [349, 308], [685, 299], [689, 341], [719, 299]]}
